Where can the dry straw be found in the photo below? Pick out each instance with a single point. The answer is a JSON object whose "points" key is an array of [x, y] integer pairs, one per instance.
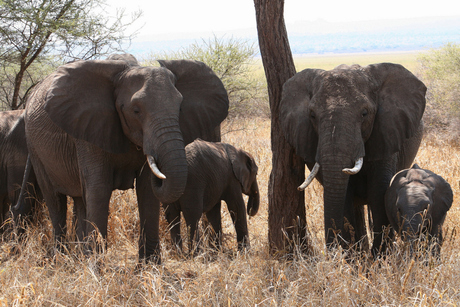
{"points": [[31, 276]]}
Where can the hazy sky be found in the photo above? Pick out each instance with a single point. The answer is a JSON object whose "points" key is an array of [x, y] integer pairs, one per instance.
{"points": [[185, 16]]}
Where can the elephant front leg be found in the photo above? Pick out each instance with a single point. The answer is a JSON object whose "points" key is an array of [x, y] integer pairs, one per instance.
{"points": [[377, 187], [79, 218], [97, 201], [238, 213]]}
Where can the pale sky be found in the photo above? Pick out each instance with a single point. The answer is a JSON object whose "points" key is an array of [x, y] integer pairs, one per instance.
{"points": [[185, 16]]}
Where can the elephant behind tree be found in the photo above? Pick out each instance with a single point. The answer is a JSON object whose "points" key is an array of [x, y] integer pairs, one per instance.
{"points": [[13, 157], [417, 202], [355, 127], [216, 171], [96, 126]]}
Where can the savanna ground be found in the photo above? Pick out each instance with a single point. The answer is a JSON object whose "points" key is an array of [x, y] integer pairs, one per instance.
{"points": [[30, 276]]}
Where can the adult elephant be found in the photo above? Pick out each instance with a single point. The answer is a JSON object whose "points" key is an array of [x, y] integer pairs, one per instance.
{"points": [[355, 127], [95, 126], [13, 158]]}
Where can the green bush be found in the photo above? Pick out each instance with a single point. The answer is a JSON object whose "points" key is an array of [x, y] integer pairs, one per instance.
{"points": [[439, 69], [233, 62]]}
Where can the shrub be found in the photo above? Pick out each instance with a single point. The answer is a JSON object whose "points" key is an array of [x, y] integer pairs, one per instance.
{"points": [[233, 62], [439, 69]]}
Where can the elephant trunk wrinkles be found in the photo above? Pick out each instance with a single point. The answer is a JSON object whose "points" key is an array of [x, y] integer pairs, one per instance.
{"points": [[254, 199], [335, 184], [168, 151]]}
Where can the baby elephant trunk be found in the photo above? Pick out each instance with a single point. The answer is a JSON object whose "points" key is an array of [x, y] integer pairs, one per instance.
{"points": [[254, 199]]}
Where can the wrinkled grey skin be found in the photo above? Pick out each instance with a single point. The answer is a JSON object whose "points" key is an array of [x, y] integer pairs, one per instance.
{"points": [[417, 202], [216, 171], [91, 125], [13, 157], [335, 117]]}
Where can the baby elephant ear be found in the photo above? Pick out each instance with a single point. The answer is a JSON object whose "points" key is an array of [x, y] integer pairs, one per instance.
{"points": [[80, 100], [400, 105], [442, 193], [205, 100], [243, 165]]}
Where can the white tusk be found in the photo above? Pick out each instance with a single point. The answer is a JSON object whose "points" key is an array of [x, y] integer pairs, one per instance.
{"points": [[355, 169], [310, 177], [154, 168]]}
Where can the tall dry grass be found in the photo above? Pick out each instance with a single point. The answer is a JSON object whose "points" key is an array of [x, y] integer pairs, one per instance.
{"points": [[31, 276]]}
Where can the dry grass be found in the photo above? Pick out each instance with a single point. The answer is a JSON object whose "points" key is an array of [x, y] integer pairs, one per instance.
{"points": [[29, 276]]}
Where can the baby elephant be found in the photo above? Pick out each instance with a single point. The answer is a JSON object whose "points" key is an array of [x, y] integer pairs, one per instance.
{"points": [[417, 202], [216, 171]]}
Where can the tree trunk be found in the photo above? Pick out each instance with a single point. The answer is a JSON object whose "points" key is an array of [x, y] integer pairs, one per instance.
{"points": [[286, 205]]}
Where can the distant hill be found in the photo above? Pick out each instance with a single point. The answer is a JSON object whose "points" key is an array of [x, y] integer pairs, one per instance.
{"points": [[322, 37]]}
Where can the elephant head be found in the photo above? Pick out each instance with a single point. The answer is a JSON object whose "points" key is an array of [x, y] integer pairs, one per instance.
{"points": [[417, 202], [338, 119], [116, 104], [245, 170]]}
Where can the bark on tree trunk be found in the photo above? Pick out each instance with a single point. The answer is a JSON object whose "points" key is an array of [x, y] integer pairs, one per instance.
{"points": [[286, 205]]}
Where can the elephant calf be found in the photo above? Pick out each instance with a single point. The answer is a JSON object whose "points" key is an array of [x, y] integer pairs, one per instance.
{"points": [[216, 171], [417, 202]]}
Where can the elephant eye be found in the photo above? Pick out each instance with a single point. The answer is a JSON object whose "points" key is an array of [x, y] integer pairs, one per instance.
{"points": [[312, 115], [364, 113]]}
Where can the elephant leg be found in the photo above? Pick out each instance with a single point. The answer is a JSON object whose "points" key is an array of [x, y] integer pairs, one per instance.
{"points": [[57, 208], [172, 213], [237, 208], [149, 216], [215, 219], [97, 199], [377, 187], [192, 209], [79, 218]]}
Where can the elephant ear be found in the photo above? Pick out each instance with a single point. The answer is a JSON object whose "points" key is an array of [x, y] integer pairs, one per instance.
{"points": [[442, 193], [81, 101], [243, 166], [205, 100], [294, 114], [400, 102]]}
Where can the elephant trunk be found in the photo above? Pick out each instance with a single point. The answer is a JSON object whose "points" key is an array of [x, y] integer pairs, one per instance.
{"points": [[335, 184], [254, 199], [167, 155], [412, 228]]}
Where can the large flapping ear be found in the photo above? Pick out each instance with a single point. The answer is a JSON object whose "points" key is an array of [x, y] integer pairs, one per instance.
{"points": [[400, 102], [205, 100], [243, 165], [294, 113], [81, 101]]}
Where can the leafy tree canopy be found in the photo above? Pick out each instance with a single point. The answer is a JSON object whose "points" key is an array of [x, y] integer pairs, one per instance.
{"points": [[34, 32]]}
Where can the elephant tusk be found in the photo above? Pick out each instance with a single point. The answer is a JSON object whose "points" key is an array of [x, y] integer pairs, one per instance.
{"points": [[355, 169], [154, 168], [310, 177]]}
